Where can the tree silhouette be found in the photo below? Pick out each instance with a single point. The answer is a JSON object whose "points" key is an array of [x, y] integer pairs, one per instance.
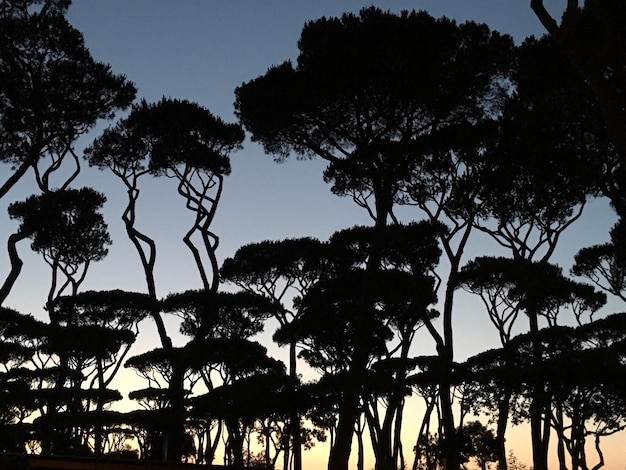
{"points": [[360, 98], [509, 286], [172, 138], [67, 229], [219, 325], [185, 141], [591, 36], [52, 90], [604, 264], [21, 338], [351, 314], [581, 369], [109, 314], [180, 139], [550, 154], [276, 270]]}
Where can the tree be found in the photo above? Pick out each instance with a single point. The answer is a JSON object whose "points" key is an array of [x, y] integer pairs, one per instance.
{"points": [[549, 155], [540, 290], [185, 141], [365, 95], [581, 369], [604, 264], [219, 326], [349, 317], [592, 38], [276, 270], [510, 286], [52, 90], [266, 394], [478, 442], [180, 139], [170, 138], [67, 228], [114, 315], [21, 337], [402, 251]]}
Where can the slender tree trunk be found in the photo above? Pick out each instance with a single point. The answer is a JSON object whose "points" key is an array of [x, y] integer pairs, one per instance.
{"points": [[348, 415], [539, 405], [16, 264], [98, 431], [398, 452], [424, 429], [451, 458], [294, 419], [382, 437], [559, 428], [360, 463], [211, 444], [235, 444], [176, 426], [502, 423]]}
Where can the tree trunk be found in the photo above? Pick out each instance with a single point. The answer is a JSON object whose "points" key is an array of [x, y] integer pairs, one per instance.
{"points": [[539, 405], [360, 463], [294, 419], [176, 426], [503, 420], [16, 264], [348, 415]]}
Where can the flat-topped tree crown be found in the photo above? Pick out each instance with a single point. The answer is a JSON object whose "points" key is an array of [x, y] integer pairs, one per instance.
{"points": [[65, 225], [373, 93], [182, 132]]}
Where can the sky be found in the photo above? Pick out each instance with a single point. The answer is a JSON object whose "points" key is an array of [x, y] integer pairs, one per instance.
{"points": [[201, 50]]}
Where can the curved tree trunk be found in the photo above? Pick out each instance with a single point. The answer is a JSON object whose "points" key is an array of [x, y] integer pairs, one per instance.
{"points": [[16, 264]]}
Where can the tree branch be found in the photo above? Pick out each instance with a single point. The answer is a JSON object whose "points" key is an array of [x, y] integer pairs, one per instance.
{"points": [[544, 17]]}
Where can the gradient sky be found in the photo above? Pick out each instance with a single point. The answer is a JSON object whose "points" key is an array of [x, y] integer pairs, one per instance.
{"points": [[201, 50]]}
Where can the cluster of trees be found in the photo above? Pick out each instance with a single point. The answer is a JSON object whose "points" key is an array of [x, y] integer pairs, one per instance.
{"points": [[477, 134]]}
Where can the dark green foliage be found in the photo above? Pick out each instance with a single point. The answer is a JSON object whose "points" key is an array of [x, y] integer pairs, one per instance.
{"points": [[605, 265], [91, 341], [254, 397], [178, 131], [536, 287], [412, 248], [259, 266], [221, 315], [552, 147], [587, 358], [52, 90], [65, 225], [592, 37], [478, 442], [351, 308], [116, 308], [240, 357], [367, 96], [351, 69], [158, 137]]}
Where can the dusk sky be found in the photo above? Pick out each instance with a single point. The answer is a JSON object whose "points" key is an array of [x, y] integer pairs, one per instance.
{"points": [[201, 50]]}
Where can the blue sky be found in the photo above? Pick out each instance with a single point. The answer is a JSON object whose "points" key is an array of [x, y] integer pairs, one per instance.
{"points": [[202, 50]]}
